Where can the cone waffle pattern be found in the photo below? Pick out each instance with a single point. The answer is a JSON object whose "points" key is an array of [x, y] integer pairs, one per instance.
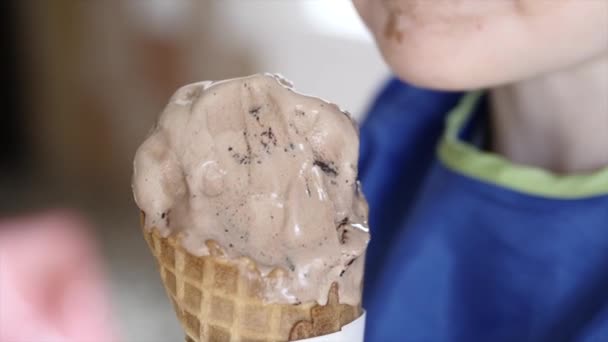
{"points": [[214, 302]]}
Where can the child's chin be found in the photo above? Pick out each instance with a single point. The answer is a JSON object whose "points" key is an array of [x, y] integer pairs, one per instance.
{"points": [[450, 74], [466, 65]]}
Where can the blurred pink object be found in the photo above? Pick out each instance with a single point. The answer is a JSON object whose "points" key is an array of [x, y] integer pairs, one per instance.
{"points": [[52, 287]]}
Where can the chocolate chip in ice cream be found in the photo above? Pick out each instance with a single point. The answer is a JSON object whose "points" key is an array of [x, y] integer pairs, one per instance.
{"points": [[326, 167]]}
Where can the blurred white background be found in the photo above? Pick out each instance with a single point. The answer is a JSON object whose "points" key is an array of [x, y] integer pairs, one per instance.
{"points": [[97, 73]]}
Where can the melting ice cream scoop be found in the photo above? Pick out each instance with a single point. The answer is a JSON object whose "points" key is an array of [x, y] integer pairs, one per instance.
{"points": [[264, 172]]}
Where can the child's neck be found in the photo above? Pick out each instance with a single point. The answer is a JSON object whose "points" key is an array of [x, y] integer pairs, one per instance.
{"points": [[558, 121]]}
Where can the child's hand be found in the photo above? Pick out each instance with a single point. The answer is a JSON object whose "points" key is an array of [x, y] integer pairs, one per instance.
{"points": [[51, 284]]}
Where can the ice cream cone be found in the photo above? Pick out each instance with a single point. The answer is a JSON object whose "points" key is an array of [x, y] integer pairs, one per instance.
{"points": [[215, 301], [254, 212]]}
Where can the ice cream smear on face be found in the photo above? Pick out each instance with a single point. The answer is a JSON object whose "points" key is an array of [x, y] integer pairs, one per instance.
{"points": [[250, 170]]}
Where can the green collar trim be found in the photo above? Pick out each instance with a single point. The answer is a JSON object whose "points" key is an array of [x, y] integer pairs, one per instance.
{"points": [[468, 160]]}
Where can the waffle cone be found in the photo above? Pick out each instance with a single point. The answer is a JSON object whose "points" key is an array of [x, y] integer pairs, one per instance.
{"points": [[215, 301]]}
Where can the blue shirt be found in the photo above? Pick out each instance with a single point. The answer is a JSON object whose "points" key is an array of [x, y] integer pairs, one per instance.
{"points": [[466, 246]]}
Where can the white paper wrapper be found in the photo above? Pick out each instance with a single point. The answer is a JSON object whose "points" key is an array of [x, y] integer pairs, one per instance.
{"points": [[352, 332]]}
